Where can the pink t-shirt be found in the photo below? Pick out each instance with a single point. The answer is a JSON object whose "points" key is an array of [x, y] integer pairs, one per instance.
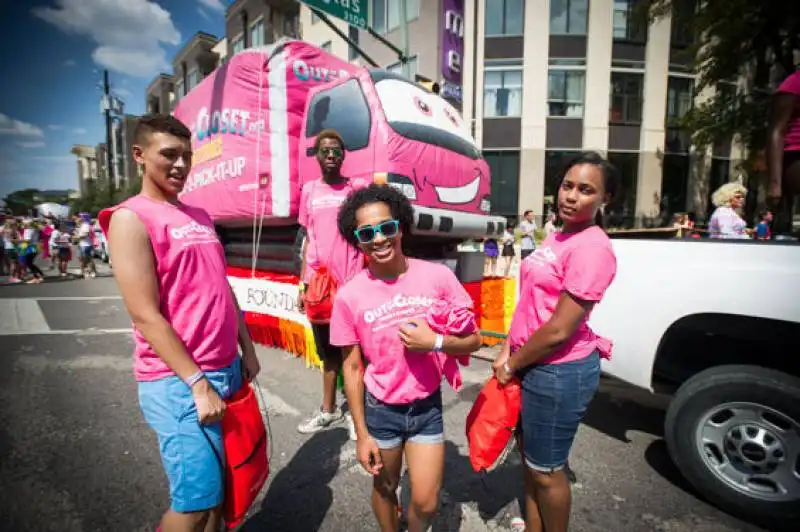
{"points": [[581, 264], [369, 312], [196, 298], [791, 85], [319, 209]]}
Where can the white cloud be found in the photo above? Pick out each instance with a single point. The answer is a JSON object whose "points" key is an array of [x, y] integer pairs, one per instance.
{"points": [[18, 128], [129, 33], [203, 13], [125, 93], [55, 127], [213, 5], [31, 144], [79, 131], [70, 62], [53, 158]]}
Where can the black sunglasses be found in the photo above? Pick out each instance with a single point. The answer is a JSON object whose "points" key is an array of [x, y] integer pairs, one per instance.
{"points": [[367, 233], [336, 152]]}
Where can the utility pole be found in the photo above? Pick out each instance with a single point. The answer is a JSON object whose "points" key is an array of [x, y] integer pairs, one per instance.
{"points": [[109, 136], [404, 38]]}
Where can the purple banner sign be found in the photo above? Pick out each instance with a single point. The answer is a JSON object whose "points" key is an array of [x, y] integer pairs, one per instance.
{"points": [[452, 41]]}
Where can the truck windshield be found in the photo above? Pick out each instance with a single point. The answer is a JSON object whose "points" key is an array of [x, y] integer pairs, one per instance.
{"points": [[343, 108]]}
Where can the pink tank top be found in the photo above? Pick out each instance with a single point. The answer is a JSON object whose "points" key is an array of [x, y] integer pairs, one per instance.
{"points": [[791, 85], [195, 296]]}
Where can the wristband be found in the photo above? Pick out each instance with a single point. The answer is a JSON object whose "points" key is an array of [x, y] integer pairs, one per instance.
{"points": [[195, 378], [508, 368], [439, 343], [302, 287]]}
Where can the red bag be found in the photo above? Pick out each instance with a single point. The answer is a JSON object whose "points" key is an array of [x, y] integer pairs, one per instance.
{"points": [[491, 423], [319, 294], [244, 438]]}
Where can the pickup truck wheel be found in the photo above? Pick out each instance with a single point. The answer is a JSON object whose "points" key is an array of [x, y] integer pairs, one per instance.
{"points": [[734, 433]]}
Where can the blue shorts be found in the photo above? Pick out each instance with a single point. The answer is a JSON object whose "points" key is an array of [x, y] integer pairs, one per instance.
{"points": [[554, 399], [86, 253], [392, 425], [192, 467]]}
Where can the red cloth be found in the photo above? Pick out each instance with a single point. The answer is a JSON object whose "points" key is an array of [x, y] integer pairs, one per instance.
{"points": [[244, 438], [491, 423]]}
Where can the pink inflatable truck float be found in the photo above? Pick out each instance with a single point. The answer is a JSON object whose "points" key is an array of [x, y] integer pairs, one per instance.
{"points": [[254, 121]]}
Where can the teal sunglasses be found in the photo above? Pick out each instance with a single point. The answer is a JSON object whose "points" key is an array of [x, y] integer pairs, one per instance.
{"points": [[367, 233]]}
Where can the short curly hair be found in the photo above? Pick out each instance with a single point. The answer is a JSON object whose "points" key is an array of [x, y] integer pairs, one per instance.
{"points": [[723, 196], [398, 204], [327, 134]]}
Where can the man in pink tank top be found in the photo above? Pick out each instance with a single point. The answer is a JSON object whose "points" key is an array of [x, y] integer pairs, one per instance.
{"points": [[186, 322]]}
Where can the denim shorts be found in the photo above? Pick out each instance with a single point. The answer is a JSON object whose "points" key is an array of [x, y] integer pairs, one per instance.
{"points": [[392, 425], [193, 470], [554, 399]]}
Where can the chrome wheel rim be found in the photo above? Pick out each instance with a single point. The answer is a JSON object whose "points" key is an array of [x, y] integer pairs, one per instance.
{"points": [[752, 448]]}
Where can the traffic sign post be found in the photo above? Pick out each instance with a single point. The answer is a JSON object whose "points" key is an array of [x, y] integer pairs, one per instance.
{"points": [[354, 12]]}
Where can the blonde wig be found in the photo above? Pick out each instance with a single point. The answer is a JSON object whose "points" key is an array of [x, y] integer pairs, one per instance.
{"points": [[723, 195]]}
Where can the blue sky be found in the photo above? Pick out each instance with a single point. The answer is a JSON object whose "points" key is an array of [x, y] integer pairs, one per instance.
{"points": [[53, 58]]}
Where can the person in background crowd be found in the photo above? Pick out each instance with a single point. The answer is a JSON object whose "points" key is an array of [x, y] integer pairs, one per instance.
{"points": [[86, 247], [491, 251], [10, 255], [44, 237], [509, 239], [62, 242], [682, 224], [324, 247], [51, 243], [397, 402], [187, 323], [527, 230], [725, 221], [550, 225], [763, 231], [30, 249], [783, 151], [550, 346]]}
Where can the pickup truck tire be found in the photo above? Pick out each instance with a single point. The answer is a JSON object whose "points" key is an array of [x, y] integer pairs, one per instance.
{"points": [[734, 433]]}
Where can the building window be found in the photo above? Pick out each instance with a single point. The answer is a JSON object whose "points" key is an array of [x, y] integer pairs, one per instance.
{"points": [[352, 34], [628, 25], [502, 91], [386, 14], [343, 108], [193, 78], [626, 98], [674, 184], [621, 212], [397, 68], [554, 164], [504, 171], [680, 97], [569, 17], [179, 89], [565, 92], [506, 17], [682, 28], [326, 46], [257, 34], [237, 45]]}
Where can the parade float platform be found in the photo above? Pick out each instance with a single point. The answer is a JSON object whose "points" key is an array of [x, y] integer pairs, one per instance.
{"points": [[269, 303]]}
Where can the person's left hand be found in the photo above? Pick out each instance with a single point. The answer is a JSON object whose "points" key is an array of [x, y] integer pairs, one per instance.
{"points": [[417, 335], [500, 373], [250, 365]]}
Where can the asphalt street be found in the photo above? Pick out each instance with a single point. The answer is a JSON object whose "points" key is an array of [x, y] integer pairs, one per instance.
{"points": [[76, 455]]}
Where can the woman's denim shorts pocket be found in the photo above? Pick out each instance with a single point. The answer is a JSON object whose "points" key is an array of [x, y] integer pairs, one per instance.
{"points": [[554, 400]]}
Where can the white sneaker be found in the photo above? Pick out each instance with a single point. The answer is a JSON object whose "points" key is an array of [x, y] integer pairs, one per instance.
{"points": [[518, 524], [320, 421], [351, 427]]}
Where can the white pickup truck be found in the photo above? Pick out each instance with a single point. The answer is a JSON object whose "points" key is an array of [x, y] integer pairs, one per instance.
{"points": [[716, 323]]}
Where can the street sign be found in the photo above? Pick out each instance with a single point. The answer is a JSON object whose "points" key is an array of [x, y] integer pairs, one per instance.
{"points": [[354, 12]]}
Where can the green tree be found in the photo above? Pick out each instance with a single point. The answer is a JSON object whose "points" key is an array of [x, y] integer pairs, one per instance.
{"points": [[21, 202], [747, 40]]}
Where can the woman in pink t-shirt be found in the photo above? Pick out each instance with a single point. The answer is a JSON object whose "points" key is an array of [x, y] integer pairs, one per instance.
{"points": [[783, 151], [550, 346], [382, 314]]}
